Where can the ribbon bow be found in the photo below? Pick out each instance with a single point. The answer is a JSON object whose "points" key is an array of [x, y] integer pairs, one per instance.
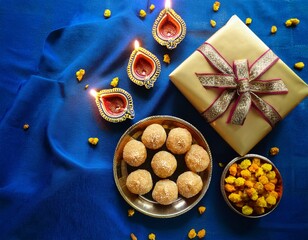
{"points": [[241, 80]]}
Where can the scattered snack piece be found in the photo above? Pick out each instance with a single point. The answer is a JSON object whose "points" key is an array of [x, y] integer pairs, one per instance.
{"points": [[134, 153], [273, 29], [152, 7], [292, 22], [130, 212], [299, 65], [139, 182], [216, 6], [79, 74], [26, 126], [213, 23], [288, 23], [133, 237], [86, 86], [201, 233], [295, 21], [248, 21], [167, 58], [142, 13], [192, 233], [152, 236], [114, 82], [274, 151], [201, 209], [93, 141], [107, 13], [220, 164]]}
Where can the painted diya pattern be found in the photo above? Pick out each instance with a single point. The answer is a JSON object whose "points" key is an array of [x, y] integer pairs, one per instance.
{"points": [[115, 105], [169, 29], [143, 67]]}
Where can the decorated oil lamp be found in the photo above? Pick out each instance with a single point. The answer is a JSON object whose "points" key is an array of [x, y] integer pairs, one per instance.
{"points": [[115, 105], [169, 29], [143, 67]]}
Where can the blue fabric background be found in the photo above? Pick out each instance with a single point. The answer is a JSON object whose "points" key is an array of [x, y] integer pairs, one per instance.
{"points": [[53, 185]]}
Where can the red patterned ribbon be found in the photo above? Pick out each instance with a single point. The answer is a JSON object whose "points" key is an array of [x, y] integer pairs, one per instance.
{"points": [[240, 81]]}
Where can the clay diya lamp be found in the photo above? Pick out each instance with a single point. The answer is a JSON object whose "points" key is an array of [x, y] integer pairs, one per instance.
{"points": [[169, 29], [143, 67], [115, 105]]}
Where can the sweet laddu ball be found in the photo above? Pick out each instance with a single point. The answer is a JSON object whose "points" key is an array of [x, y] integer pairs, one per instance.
{"points": [[139, 182], [154, 136], [134, 153], [189, 184], [165, 192], [179, 140], [163, 164], [197, 159]]}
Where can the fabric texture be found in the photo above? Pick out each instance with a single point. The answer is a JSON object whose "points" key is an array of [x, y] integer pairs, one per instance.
{"points": [[54, 185]]}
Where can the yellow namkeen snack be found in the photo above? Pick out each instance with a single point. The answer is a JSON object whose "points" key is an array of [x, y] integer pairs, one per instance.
{"points": [[239, 181], [248, 21], [26, 126], [213, 23], [230, 188], [263, 179], [130, 212], [247, 210], [201, 209], [80, 73], [271, 200], [166, 58], [266, 167], [230, 179], [107, 13], [271, 175], [133, 236], [216, 6], [114, 82], [142, 13], [252, 186], [152, 7], [233, 169], [201, 233], [192, 233], [235, 197], [273, 29], [292, 22], [246, 173], [299, 65], [245, 164], [274, 151], [152, 236], [93, 141]]}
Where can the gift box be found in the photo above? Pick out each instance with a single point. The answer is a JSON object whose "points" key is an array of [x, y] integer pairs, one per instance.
{"points": [[239, 85]]}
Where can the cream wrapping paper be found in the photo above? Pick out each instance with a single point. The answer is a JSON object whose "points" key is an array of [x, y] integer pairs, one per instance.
{"points": [[236, 41]]}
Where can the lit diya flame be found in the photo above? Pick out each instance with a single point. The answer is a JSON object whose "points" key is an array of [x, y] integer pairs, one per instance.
{"points": [[169, 29], [143, 67], [115, 105]]}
